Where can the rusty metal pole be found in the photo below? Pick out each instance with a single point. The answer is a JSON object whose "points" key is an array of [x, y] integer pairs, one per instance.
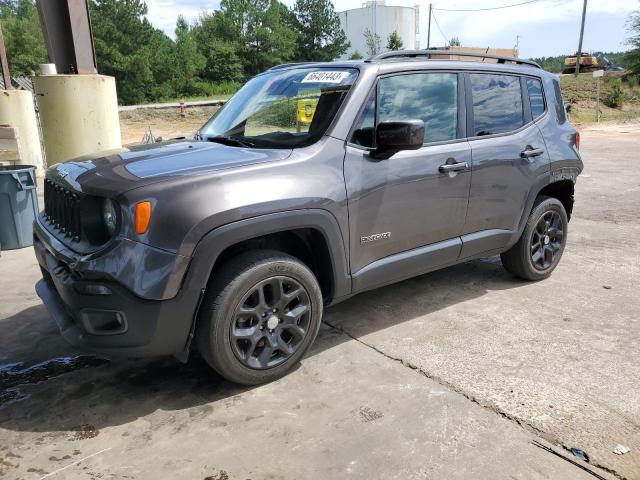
{"points": [[5, 64]]}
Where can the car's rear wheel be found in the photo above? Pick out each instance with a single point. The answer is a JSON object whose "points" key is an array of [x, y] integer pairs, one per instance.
{"points": [[260, 314], [542, 243]]}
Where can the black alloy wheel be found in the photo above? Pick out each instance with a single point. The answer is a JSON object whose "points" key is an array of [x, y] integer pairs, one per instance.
{"points": [[270, 322], [546, 240]]}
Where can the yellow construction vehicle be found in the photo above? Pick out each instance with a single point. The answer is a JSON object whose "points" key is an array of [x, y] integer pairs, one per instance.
{"points": [[588, 63]]}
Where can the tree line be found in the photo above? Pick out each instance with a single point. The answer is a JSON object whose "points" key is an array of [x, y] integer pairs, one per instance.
{"points": [[218, 51], [211, 55]]}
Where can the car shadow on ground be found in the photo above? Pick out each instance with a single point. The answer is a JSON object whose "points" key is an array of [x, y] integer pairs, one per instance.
{"points": [[47, 386]]}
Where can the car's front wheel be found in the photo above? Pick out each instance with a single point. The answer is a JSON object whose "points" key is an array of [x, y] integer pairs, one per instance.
{"points": [[261, 312], [540, 247]]}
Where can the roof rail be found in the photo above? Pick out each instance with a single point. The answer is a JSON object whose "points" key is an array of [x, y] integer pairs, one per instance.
{"points": [[430, 53]]}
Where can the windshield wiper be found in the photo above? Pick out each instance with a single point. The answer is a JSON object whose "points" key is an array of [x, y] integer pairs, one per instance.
{"points": [[235, 142]]}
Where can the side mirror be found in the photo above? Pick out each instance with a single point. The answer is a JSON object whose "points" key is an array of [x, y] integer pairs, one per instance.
{"points": [[394, 136]]}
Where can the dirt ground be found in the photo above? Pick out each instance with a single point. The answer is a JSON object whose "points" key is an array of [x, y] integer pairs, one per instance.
{"points": [[165, 123], [464, 373]]}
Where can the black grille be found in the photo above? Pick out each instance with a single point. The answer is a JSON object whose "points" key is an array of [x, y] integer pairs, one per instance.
{"points": [[62, 209]]}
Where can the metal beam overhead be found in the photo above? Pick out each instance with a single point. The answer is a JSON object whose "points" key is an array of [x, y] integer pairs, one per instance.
{"points": [[67, 33]]}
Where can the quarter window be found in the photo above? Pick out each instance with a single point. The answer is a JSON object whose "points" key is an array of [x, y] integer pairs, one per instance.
{"points": [[364, 133], [536, 97], [497, 103], [560, 111]]}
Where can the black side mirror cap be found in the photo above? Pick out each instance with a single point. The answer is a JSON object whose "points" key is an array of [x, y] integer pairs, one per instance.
{"points": [[396, 135]]}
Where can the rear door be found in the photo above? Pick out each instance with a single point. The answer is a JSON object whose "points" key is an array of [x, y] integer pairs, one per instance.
{"points": [[508, 154]]}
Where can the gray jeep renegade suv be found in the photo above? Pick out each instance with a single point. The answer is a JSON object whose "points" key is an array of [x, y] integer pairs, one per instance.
{"points": [[313, 183]]}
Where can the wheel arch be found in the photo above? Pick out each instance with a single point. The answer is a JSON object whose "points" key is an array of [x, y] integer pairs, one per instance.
{"points": [[312, 235], [562, 190], [550, 185]]}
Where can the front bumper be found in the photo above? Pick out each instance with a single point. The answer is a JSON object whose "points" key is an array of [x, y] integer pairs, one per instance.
{"points": [[116, 322]]}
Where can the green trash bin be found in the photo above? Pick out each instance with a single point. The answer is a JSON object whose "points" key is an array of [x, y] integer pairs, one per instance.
{"points": [[18, 206]]}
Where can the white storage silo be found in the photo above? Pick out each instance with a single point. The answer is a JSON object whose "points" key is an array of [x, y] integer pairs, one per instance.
{"points": [[382, 20]]}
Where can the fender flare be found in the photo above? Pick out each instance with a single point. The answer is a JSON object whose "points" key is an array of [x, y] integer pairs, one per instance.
{"points": [[212, 244], [548, 178]]}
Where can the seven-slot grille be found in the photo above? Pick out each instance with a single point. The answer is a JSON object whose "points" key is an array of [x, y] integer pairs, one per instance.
{"points": [[62, 209]]}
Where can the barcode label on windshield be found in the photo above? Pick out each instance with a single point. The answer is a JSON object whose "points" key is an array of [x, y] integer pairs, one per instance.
{"points": [[325, 77]]}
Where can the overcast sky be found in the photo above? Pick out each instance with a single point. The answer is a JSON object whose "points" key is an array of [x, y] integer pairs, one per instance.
{"points": [[546, 28]]}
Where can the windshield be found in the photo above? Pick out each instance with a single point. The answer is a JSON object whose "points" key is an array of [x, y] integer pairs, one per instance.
{"points": [[281, 109]]}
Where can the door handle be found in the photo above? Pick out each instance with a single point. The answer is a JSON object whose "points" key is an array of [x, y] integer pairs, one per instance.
{"points": [[453, 167], [531, 152]]}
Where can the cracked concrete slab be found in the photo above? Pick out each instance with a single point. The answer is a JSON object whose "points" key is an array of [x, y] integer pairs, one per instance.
{"points": [[347, 412], [559, 356]]}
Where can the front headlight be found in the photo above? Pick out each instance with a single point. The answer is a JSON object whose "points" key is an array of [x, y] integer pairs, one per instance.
{"points": [[109, 216]]}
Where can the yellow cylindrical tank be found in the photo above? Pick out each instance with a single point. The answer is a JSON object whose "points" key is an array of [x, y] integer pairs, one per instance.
{"points": [[78, 114], [18, 111]]}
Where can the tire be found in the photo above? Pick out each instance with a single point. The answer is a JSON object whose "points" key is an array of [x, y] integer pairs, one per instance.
{"points": [[540, 247], [281, 305]]}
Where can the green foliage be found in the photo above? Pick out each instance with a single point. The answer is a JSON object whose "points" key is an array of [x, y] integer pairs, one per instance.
{"points": [[632, 58], [616, 96], [188, 60], [320, 37], [394, 42], [373, 42], [22, 36], [264, 32], [124, 41], [551, 64], [213, 56], [355, 55], [220, 50], [278, 114], [455, 42]]}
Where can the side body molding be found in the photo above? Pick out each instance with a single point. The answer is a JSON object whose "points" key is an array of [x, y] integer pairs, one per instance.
{"points": [[216, 241]]}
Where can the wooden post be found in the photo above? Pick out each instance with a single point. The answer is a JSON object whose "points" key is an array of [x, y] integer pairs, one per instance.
{"points": [[598, 74], [598, 99], [579, 52], [5, 64]]}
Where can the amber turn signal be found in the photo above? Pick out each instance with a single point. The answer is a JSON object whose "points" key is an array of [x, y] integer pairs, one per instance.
{"points": [[143, 216]]}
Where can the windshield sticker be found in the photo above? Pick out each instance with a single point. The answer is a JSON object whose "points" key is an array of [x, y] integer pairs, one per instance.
{"points": [[325, 77]]}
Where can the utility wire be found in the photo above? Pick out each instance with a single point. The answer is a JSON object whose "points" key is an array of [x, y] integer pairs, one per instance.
{"points": [[446, 39], [484, 9]]}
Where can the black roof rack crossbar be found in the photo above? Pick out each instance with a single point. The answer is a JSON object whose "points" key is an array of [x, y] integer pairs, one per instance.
{"points": [[430, 53]]}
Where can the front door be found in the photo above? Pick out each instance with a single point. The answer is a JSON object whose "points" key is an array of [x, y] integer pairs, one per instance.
{"points": [[414, 198]]}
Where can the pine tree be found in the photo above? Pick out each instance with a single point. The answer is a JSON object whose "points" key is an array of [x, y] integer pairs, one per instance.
{"points": [[320, 37]]}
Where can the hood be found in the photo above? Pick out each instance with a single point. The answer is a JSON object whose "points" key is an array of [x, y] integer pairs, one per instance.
{"points": [[115, 172]]}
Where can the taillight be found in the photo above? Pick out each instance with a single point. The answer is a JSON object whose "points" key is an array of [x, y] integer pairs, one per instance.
{"points": [[142, 217], [578, 140]]}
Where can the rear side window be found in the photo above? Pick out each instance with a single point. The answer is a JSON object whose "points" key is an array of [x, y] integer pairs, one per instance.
{"points": [[536, 97], [559, 102], [497, 103]]}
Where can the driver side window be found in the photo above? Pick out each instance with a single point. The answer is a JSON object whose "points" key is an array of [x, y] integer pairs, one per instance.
{"points": [[430, 97]]}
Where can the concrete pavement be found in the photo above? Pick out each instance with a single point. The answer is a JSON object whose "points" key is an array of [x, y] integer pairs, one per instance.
{"points": [[464, 373]]}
